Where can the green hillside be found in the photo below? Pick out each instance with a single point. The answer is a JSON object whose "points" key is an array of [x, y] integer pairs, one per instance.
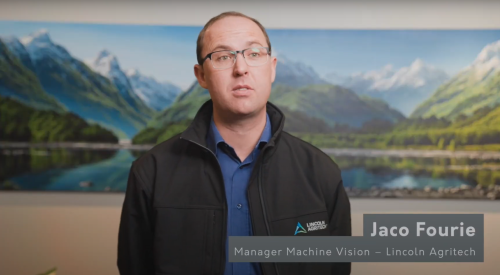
{"points": [[184, 107], [314, 109], [479, 131], [329, 103], [380, 106], [295, 122], [333, 104], [152, 135], [463, 94], [69, 85], [23, 123], [88, 94], [18, 81]]}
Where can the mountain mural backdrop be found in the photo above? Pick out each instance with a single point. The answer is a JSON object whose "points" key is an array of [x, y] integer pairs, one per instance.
{"points": [[85, 100], [43, 74], [404, 88], [474, 87]]}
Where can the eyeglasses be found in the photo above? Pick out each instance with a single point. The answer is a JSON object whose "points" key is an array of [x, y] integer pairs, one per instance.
{"points": [[226, 59]]}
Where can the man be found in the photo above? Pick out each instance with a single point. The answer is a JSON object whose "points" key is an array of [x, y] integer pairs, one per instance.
{"points": [[232, 172]]}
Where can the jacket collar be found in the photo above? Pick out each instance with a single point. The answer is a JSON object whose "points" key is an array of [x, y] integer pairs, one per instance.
{"points": [[214, 137], [198, 129]]}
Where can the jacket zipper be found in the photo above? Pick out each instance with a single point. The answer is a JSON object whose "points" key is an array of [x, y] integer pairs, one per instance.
{"points": [[223, 266], [213, 246], [264, 209], [224, 229]]}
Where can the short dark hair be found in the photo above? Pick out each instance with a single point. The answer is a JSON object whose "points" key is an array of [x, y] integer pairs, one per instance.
{"points": [[199, 42]]}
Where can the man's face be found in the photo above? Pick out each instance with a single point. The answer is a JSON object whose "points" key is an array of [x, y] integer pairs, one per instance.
{"points": [[236, 33]]}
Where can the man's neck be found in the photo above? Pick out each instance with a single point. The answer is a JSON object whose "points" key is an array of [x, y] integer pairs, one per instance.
{"points": [[241, 133]]}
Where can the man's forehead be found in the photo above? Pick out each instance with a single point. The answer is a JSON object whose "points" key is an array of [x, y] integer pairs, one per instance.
{"points": [[225, 35]]}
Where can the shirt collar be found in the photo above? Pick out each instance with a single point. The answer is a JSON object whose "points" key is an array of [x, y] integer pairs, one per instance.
{"points": [[214, 137]]}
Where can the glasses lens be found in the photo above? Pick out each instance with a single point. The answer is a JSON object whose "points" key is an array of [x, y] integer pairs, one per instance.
{"points": [[222, 60], [256, 56]]}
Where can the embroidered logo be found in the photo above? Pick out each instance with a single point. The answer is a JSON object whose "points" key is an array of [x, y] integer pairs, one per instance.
{"points": [[311, 226], [300, 229], [317, 225]]}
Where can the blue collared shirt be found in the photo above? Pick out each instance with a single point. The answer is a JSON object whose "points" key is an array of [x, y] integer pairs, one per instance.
{"points": [[236, 178]]}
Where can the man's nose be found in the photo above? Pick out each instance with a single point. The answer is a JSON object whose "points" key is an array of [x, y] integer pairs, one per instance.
{"points": [[240, 67]]}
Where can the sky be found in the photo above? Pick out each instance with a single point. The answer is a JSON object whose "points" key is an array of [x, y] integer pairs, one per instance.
{"points": [[168, 53]]}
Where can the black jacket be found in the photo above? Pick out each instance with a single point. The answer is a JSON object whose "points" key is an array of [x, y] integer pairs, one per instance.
{"points": [[174, 215]]}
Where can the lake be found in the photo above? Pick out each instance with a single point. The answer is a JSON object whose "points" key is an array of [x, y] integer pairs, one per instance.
{"points": [[98, 170]]}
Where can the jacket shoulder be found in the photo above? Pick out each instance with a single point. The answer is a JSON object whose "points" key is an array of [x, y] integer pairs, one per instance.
{"points": [[145, 166], [313, 158], [305, 148]]}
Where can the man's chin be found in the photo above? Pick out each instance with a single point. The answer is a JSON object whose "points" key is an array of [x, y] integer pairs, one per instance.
{"points": [[243, 108], [244, 111]]}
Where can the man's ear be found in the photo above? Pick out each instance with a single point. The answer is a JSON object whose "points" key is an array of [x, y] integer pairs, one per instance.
{"points": [[200, 75], [274, 61]]}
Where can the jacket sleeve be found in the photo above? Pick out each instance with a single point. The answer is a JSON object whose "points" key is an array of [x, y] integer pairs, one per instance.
{"points": [[340, 217], [135, 236]]}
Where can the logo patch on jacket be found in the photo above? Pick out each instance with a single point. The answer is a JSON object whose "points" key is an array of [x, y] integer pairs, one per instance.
{"points": [[317, 225], [311, 226], [299, 229]]}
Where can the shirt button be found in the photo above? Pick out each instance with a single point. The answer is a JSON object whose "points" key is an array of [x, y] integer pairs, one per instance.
{"points": [[238, 205]]}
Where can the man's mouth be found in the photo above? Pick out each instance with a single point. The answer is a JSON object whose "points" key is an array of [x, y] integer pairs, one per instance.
{"points": [[242, 88], [242, 91]]}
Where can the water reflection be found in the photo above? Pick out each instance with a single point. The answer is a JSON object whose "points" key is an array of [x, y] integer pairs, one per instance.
{"points": [[394, 172], [92, 170]]}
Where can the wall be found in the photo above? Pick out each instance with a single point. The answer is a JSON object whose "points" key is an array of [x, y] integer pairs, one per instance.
{"points": [[78, 232]]}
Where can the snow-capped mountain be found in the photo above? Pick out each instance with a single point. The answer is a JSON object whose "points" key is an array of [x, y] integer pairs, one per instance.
{"points": [[362, 82], [39, 45], [107, 65], [487, 62], [474, 87], [155, 94], [15, 46], [295, 74], [18, 49], [417, 75], [403, 89], [71, 85]]}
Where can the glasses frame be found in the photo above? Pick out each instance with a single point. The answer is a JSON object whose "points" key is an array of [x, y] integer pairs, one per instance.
{"points": [[236, 56]]}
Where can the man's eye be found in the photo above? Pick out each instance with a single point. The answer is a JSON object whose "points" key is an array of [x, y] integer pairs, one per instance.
{"points": [[224, 57]]}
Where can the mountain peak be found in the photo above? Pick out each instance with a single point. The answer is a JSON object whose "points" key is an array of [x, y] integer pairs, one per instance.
{"points": [[384, 72], [418, 64], [402, 88], [155, 94], [295, 73], [106, 64], [40, 37], [132, 72], [489, 52], [487, 61], [39, 45], [104, 54], [418, 74]]}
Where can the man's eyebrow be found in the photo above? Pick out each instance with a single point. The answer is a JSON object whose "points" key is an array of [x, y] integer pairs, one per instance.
{"points": [[221, 47], [249, 43], [225, 47]]}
